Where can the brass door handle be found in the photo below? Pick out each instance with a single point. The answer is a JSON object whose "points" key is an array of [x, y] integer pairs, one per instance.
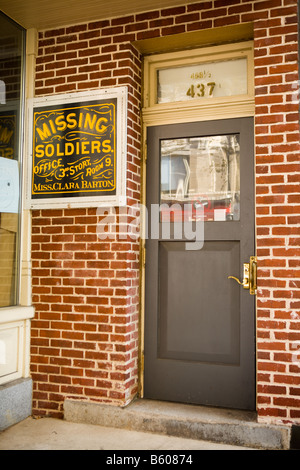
{"points": [[249, 280], [246, 280], [237, 280]]}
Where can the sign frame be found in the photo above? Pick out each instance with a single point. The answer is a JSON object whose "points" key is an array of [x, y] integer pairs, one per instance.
{"points": [[96, 98]]}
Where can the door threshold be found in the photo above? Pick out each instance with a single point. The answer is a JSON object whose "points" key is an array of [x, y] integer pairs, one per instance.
{"points": [[218, 425]]}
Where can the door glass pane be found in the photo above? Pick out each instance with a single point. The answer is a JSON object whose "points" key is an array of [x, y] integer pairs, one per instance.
{"points": [[11, 81], [201, 170]]}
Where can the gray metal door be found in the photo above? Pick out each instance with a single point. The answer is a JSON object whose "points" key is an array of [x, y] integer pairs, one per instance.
{"points": [[200, 325]]}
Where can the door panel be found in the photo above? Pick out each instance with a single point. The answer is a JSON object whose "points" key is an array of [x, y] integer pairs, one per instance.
{"points": [[199, 325], [187, 331]]}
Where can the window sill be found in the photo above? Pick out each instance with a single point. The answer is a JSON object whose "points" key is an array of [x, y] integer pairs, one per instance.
{"points": [[12, 314]]}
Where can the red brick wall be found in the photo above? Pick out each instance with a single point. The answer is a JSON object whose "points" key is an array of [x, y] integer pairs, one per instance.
{"points": [[278, 209], [85, 290], [85, 334]]}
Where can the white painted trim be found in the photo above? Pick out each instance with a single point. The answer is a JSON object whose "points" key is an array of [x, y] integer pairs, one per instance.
{"points": [[12, 314], [18, 319], [194, 57], [25, 228], [206, 111]]}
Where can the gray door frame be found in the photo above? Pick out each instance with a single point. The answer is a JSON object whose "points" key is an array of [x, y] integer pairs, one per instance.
{"points": [[216, 384]]}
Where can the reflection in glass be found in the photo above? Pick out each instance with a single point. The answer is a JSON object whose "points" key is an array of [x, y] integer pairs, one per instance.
{"points": [[11, 64], [201, 170]]}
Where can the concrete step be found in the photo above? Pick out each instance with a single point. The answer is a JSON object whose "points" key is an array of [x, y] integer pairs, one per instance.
{"points": [[232, 427]]}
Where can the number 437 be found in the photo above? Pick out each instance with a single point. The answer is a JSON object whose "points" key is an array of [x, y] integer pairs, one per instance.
{"points": [[199, 90]]}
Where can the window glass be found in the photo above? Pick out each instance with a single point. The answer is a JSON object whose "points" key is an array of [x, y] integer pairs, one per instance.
{"points": [[201, 171], [11, 65], [207, 80]]}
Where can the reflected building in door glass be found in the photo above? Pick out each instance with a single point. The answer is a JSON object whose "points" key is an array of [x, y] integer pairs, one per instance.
{"points": [[201, 170]]}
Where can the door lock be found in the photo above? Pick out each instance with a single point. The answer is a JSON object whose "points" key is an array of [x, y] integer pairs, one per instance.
{"points": [[249, 279]]}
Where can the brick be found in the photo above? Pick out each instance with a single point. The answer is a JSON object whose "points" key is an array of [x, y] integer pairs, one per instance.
{"points": [[271, 220], [200, 6], [240, 8], [272, 389], [288, 188], [147, 16], [98, 24], [283, 11], [173, 11], [173, 30], [138, 26], [265, 5], [54, 32], [160, 22], [188, 18], [214, 13], [227, 20], [129, 37]]}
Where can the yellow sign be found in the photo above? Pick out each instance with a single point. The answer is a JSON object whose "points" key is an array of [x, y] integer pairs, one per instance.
{"points": [[74, 150]]}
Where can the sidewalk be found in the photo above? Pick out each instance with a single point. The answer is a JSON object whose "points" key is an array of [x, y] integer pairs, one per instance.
{"points": [[54, 434]]}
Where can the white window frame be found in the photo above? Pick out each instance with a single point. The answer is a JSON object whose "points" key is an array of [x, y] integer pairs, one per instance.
{"points": [[210, 108]]}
